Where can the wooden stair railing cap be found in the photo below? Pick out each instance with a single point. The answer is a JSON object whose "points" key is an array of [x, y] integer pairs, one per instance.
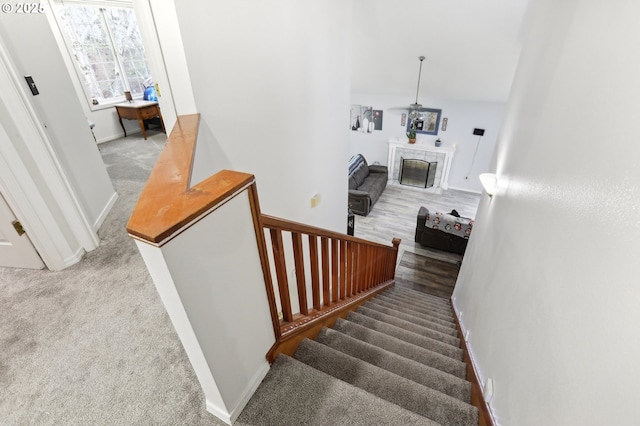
{"points": [[168, 202]]}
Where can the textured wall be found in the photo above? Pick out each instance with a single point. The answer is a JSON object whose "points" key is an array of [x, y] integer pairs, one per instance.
{"points": [[548, 288]]}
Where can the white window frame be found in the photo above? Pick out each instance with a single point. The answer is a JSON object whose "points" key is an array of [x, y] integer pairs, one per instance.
{"points": [[119, 4]]}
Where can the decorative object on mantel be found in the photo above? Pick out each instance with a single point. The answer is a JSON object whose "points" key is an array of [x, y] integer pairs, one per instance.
{"points": [[438, 142], [411, 134]]}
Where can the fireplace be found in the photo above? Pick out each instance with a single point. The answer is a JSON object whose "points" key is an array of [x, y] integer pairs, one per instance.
{"points": [[442, 155], [420, 173]]}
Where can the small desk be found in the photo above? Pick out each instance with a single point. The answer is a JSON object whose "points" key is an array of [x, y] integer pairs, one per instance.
{"points": [[139, 110]]}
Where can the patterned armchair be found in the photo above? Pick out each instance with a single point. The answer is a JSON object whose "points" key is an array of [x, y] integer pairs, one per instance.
{"points": [[443, 231]]}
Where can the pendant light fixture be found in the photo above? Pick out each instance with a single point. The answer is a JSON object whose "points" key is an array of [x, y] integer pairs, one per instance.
{"points": [[414, 107]]}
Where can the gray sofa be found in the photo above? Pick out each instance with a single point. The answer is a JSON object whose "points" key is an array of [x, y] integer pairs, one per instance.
{"points": [[366, 184]]}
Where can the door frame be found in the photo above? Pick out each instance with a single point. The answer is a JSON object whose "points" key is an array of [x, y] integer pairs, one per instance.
{"points": [[60, 236]]}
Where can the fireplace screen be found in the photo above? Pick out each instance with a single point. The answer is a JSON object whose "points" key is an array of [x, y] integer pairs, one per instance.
{"points": [[417, 173]]}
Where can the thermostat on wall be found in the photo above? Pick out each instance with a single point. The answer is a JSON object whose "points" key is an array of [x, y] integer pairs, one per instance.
{"points": [[32, 85]]}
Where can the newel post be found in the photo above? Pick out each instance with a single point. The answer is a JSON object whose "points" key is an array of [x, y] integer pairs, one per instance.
{"points": [[396, 244]]}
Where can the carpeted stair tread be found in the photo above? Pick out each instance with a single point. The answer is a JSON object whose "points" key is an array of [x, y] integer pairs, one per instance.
{"points": [[401, 288], [404, 367], [407, 336], [417, 306], [401, 347], [293, 393], [407, 310], [406, 393], [445, 308], [451, 331], [410, 290], [410, 326], [432, 301]]}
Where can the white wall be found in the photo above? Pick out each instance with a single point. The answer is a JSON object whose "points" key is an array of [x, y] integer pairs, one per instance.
{"points": [[271, 81], [34, 52], [216, 299], [549, 284], [463, 117]]}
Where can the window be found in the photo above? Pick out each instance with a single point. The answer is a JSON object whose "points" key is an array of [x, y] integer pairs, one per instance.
{"points": [[107, 49]]}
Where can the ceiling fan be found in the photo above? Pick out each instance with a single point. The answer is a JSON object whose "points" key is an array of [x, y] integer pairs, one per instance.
{"points": [[414, 108]]}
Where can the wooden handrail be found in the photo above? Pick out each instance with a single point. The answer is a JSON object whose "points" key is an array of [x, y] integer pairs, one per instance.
{"points": [[168, 202], [272, 222], [342, 272]]}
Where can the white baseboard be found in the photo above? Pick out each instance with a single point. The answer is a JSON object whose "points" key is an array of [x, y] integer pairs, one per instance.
{"points": [[231, 417], [74, 258], [465, 190], [218, 412], [474, 364], [118, 136], [105, 211]]}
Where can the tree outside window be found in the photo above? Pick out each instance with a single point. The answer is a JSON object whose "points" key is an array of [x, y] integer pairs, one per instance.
{"points": [[107, 48]]}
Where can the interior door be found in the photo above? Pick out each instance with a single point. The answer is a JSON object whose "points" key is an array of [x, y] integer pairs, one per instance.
{"points": [[15, 250]]}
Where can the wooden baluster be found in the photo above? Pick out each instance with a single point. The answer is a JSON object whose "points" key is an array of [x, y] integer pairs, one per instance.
{"points": [[375, 265], [335, 295], [324, 247], [370, 267], [354, 268], [298, 258], [343, 269], [281, 274], [315, 271], [350, 261], [363, 268]]}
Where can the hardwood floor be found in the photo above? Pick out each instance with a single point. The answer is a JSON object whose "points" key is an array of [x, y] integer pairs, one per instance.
{"points": [[427, 274], [395, 215]]}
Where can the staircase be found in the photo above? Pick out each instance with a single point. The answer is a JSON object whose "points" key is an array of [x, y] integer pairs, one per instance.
{"points": [[396, 360]]}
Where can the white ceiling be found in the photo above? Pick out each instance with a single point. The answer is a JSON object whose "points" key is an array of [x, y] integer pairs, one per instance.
{"points": [[471, 46]]}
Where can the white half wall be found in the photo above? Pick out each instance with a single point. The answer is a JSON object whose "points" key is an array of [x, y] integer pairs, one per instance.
{"points": [[210, 280], [462, 118], [549, 285]]}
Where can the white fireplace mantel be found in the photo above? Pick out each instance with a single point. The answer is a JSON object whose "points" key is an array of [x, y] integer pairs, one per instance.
{"points": [[444, 156]]}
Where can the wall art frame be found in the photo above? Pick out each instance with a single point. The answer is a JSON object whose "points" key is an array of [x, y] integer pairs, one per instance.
{"points": [[429, 124]]}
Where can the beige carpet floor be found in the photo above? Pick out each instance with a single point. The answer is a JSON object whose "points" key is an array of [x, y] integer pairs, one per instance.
{"points": [[93, 344]]}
